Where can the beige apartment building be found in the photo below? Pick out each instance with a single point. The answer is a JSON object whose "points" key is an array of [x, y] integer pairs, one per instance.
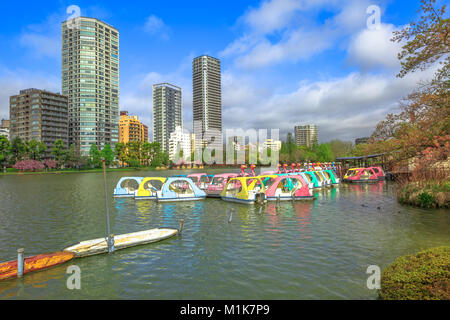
{"points": [[131, 129], [40, 115], [306, 135]]}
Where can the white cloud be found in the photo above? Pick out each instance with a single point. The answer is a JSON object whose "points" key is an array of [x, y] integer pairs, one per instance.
{"points": [[41, 45], [156, 26], [12, 81], [299, 44], [347, 107], [280, 31], [373, 48], [272, 15]]}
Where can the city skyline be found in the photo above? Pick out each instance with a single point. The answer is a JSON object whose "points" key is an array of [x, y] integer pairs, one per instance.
{"points": [[259, 91]]}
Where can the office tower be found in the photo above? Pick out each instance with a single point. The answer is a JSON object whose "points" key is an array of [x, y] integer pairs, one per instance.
{"points": [[361, 140], [40, 115], [131, 129], [207, 101], [4, 128], [167, 112], [274, 145], [306, 135], [90, 79], [179, 142]]}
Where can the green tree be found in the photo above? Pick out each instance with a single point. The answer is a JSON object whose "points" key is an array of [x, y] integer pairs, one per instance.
{"points": [[59, 151], [341, 148], [427, 43], [107, 154], [120, 150], [324, 153], [18, 149], [95, 156], [71, 157], [146, 152], [5, 148], [35, 149], [134, 154]]}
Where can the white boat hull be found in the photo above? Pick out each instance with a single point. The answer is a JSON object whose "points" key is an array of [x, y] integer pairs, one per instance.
{"points": [[97, 246]]}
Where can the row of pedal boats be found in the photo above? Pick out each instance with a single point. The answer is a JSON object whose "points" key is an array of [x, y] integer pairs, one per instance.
{"points": [[243, 187]]}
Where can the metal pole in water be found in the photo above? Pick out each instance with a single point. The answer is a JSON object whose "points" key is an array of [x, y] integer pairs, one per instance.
{"points": [[111, 244], [231, 216], [181, 226], [109, 240], [20, 262]]}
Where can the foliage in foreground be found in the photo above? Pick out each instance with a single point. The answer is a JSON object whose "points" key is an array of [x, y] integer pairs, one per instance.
{"points": [[422, 276]]}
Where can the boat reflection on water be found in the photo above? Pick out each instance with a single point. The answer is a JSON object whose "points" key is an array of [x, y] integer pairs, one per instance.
{"points": [[299, 210], [376, 187], [303, 215], [18, 287], [357, 189]]}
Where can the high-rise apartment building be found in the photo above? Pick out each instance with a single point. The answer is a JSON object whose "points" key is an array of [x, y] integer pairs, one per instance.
{"points": [[306, 135], [131, 129], [179, 145], [207, 99], [361, 140], [40, 115], [167, 112], [90, 79], [4, 128]]}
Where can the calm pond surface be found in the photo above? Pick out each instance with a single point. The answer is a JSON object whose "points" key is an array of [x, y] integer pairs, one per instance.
{"points": [[305, 250]]}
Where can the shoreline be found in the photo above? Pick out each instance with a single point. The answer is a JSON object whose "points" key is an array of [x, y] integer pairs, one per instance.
{"points": [[99, 170]]}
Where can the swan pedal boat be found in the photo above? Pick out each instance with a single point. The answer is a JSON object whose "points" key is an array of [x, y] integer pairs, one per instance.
{"points": [[201, 180], [361, 175], [245, 190], [149, 187], [218, 183], [286, 187], [127, 187], [180, 189]]}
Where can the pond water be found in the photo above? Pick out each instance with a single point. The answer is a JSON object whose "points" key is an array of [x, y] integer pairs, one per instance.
{"points": [[301, 250]]}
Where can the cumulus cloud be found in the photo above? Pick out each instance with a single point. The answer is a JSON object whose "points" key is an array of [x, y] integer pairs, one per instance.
{"points": [[272, 15], [156, 26], [373, 48], [43, 39], [346, 107], [12, 81], [280, 31]]}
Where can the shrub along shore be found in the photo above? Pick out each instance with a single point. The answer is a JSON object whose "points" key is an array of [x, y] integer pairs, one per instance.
{"points": [[429, 195], [421, 276]]}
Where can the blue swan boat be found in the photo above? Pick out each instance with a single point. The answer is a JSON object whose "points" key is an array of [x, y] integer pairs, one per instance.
{"points": [[127, 186], [180, 189]]}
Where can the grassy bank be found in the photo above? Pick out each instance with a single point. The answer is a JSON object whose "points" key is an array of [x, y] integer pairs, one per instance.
{"points": [[84, 170], [425, 195], [422, 276]]}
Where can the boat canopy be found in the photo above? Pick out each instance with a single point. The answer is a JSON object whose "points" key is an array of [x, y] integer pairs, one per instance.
{"points": [[127, 186]]}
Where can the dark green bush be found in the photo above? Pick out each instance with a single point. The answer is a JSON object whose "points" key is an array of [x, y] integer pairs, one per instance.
{"points": [[422, 276], [426, 200]]}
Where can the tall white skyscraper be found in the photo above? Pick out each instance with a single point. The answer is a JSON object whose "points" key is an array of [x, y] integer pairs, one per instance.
{"points": [[167, 112], [90, 79], [207, 99]]}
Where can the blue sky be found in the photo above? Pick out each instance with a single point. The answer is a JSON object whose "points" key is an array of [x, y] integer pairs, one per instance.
{"points": [[284, 62]]}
